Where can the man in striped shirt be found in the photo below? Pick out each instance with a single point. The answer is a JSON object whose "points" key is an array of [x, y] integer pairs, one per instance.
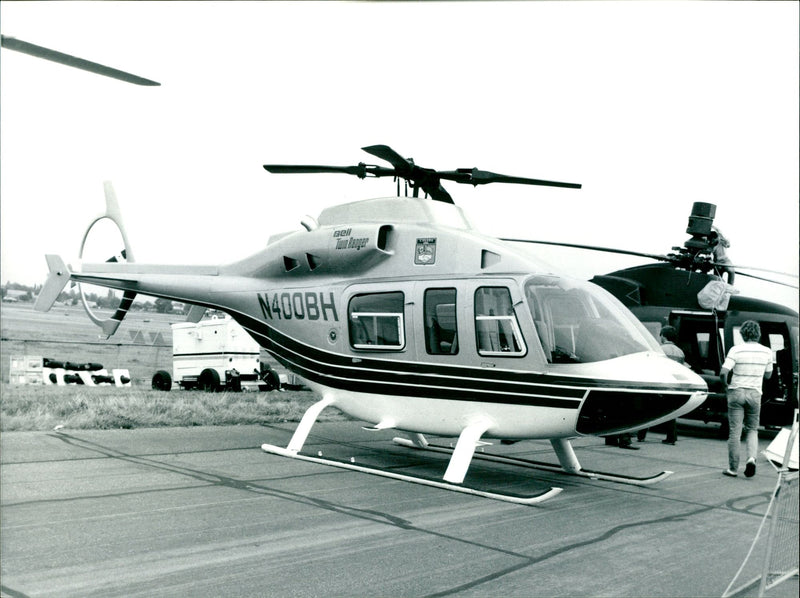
{"points": [[749, 364]]}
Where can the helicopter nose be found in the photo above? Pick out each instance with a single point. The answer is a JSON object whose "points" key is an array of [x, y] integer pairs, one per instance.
{"points": [[610, 411]]}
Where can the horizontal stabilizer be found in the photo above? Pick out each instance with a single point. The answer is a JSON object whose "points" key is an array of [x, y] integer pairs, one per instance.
{"points": [[57, 279]]}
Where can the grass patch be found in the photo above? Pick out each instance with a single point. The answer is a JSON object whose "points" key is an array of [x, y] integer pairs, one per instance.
{"points": [[38, 408]]}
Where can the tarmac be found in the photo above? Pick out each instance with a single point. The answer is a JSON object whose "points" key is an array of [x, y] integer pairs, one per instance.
{"points": [[205, 512]]}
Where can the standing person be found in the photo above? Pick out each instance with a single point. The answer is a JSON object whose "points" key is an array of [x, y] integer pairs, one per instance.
{"points": [[669, 334], [623, 441], [718, 244], [749, 364]]}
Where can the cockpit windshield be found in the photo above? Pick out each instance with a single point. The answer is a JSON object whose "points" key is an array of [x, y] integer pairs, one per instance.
{"points": [[579, 322]]}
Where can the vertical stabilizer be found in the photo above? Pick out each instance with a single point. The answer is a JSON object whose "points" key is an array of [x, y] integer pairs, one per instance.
{"points": [[57, 279]]}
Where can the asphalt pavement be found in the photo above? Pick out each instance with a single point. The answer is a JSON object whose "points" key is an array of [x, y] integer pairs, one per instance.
{"points": [[205, 512]]}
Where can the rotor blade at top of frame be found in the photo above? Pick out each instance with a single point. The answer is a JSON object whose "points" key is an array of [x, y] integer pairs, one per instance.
{"points": [[18, 45], [655, 256]]}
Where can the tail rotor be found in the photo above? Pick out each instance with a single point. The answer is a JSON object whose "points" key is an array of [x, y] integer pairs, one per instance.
{"points": [[110, 324]]}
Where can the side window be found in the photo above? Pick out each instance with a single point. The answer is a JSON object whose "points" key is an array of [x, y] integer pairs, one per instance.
{"points": [[441, 331], [496, 327], [376, 321]]}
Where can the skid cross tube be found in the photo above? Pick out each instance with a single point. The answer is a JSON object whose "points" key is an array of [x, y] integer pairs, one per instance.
{"points": [[577, 471]]}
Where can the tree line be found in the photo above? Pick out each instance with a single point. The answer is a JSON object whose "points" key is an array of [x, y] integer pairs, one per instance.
{"points": [[27, 293]]}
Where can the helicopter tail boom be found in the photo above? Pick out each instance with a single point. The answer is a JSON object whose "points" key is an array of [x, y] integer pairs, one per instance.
{"points": [[120, 272], [179, 282]]}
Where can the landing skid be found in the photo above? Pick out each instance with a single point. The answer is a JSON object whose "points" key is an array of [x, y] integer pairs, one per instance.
{"points": [[453, 477], [577, 471], [522, 500]]}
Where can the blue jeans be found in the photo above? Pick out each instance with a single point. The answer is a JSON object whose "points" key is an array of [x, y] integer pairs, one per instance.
{"points": [[744, 405]]}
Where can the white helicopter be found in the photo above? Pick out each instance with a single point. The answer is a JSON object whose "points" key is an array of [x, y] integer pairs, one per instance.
{"points": [[399, 313]]}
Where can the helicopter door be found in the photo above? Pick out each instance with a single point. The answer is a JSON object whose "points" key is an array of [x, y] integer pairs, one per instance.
{"points": [[700, 337]]}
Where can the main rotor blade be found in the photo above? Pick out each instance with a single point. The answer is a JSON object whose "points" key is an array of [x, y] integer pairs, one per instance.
{"points": [[12, 43], [738, 268], [474, 176], [785, 284], [439, 193], [360, 171], [384, 152], [662, 258]]}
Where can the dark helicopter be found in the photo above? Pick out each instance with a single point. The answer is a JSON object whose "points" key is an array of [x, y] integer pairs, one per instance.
{"points": [[666, 293]]}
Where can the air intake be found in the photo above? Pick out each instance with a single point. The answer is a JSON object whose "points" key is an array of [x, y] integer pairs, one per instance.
{"points": [[489, 259]]}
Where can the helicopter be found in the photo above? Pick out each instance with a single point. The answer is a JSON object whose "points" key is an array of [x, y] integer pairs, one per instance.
{"points": [[668, 293], [398, 312]]}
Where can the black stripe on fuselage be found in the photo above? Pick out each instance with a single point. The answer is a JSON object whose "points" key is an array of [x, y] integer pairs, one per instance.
{"points": [[217, 354], [381, 376]]}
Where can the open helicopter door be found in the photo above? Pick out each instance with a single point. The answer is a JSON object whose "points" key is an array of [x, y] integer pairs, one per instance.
{"points": [[701, 337], [780, 390]]}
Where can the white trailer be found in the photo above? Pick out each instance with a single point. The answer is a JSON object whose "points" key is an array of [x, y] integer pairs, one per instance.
{"points": [[213, 354]]}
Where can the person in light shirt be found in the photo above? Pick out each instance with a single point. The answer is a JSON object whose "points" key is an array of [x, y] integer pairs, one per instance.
{"points": [[749, 364]]}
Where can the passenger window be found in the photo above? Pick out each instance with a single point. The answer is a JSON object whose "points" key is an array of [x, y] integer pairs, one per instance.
{"points": [[441, 331], [496, 327], [376, 321]]}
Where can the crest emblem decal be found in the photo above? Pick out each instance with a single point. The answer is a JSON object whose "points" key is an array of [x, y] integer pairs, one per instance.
{"points": [[425, 254]]}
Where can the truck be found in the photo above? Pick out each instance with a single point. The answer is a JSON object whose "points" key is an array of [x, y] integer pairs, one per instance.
{"points": [[215, 354]]}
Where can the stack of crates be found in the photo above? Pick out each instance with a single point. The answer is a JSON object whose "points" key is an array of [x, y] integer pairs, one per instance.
{"points": [[26, 369]]}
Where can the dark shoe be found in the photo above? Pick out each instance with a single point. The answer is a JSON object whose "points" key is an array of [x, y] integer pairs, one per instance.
{"points": [[730, 474], [668, 441], [750, 468]]}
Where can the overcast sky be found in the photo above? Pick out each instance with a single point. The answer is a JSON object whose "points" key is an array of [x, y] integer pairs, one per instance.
{"points": [[651, 106]]}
